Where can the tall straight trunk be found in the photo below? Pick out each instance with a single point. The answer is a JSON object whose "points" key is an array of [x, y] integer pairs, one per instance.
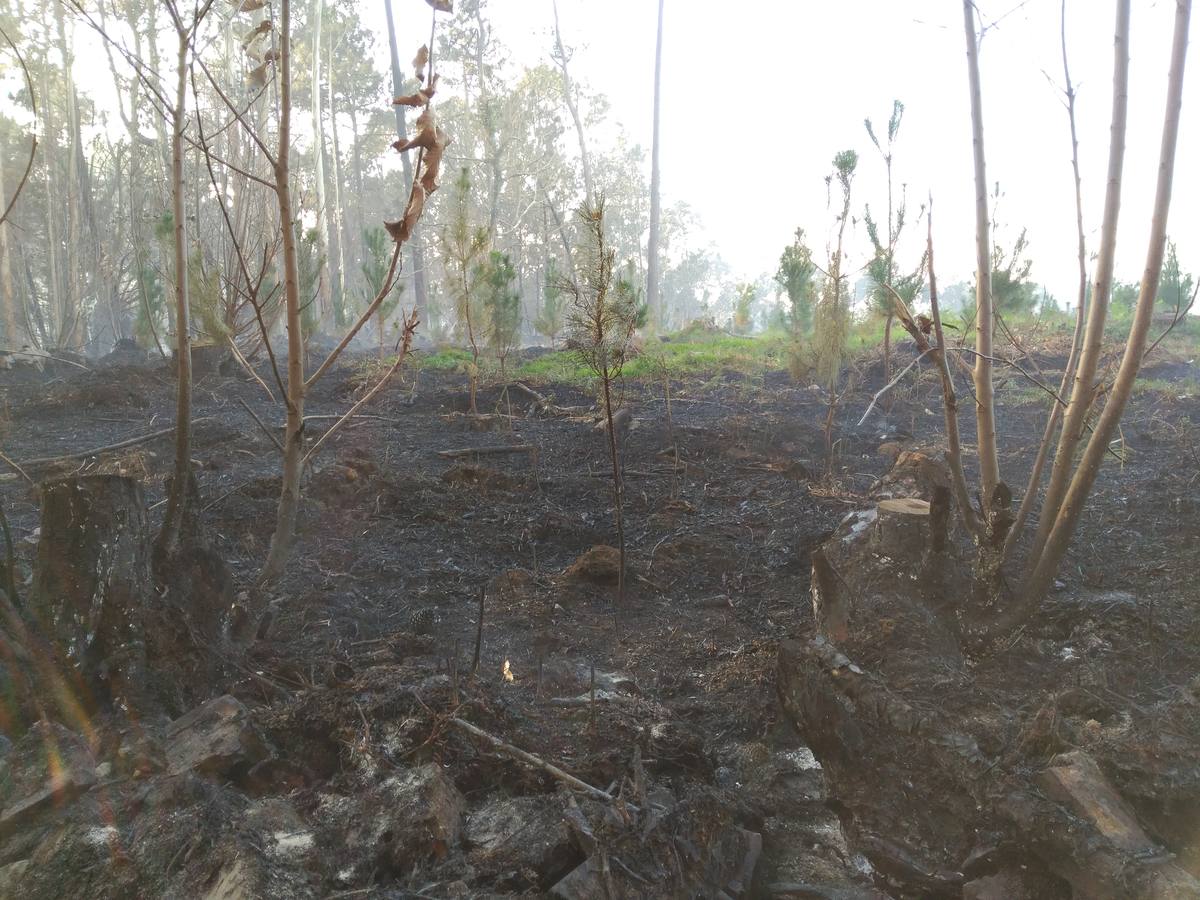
{"points": [[1083, 392], [490, 138], [8, 298], [177, 498], [293, 446], [985, 410], [54, 287], [325, 282], [360, 251], [653, 300], [72, 330], [339, 226], [573, 109], [1043, 571], [416, 244]]}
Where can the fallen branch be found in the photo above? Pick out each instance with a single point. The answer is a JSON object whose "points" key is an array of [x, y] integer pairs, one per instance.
{"points": [[107, 448], [501, 450], [530, 759]]}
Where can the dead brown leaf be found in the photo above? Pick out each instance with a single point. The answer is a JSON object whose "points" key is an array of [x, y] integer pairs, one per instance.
{"points": [[262, 28], [251, 5], [258, 76], [420, 61], [441, 5]]}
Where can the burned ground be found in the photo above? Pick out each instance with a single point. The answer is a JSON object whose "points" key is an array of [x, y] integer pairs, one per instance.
{"points": [[365, 649]]}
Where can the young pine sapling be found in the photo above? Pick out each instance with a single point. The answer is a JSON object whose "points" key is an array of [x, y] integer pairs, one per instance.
{"points": [[501, 305], [601, 316]]}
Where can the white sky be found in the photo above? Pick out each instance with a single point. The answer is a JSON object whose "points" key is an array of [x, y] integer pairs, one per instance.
{"points": [[757, 98]]}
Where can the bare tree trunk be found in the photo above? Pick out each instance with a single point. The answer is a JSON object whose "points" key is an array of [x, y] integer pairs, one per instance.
{"points": [[168, 538], [325, 282], [1045, 567], [562, 58], [1083, 392], [8, 298], [293, 447], [1056, 409], [985, 412], [652, 269], [416, 247], [490, 138], [618, 487], [339, 214]]}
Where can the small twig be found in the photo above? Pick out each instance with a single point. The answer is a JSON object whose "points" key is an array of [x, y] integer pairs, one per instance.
{"points": [[20, 471], [267, 431]]}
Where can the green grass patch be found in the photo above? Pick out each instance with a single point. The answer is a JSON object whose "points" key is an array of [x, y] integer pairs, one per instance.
{"points": [[699, 354], [445, 359]]}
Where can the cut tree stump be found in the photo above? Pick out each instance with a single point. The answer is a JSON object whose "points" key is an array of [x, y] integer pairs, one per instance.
{"points": [[902, 527], [92, 581]]}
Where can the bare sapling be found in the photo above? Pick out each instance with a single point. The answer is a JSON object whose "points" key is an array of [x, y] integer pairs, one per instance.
{"points": [[430, 142], [994, 527], [985, 408], [168, 538], [1056, 406], [601, 316], [1043, 567]]}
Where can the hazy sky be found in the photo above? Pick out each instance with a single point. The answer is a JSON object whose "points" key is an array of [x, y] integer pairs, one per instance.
{"points": [[758, 97]]}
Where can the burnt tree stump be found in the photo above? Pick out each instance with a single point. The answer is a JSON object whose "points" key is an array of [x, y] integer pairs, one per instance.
{"points": [[902, 527], [92, 581]]}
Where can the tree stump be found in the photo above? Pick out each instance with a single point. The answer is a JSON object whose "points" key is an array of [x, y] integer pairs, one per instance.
{"points": [[92, 582], [902, 528]]}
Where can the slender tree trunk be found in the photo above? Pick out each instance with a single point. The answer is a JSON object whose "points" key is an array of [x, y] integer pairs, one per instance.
{"points": [[562, 58], [618, 488], [72, 334], [1083, 392], [653, 302], [325, 281], [887, 347], [1046, 566], [293, 448], [490, 139], [985, 410], [1056, 410], [168, 539], [416, 244], [339, 214], [8, 298]]}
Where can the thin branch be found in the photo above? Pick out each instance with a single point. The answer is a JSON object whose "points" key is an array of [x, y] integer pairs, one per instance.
{"points": [[12, 201], [107, 448], [891, 384], [410, 326], [389, 281], [265, 430]]}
